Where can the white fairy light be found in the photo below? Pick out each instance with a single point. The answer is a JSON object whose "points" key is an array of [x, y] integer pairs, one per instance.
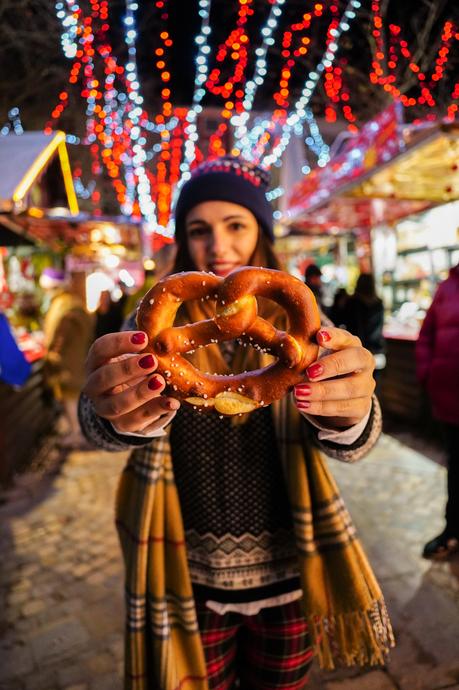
{"points": [[137, 182], [191, 130], [301, 106], [68, 15], [260, 71]]}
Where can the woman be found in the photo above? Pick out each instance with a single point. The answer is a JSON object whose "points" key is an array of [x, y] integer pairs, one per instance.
{"points": [[364, 317], [437, 359], [272, 567]]}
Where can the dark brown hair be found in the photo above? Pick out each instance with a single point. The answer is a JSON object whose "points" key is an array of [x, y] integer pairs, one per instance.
{"points": [[365, 287]]}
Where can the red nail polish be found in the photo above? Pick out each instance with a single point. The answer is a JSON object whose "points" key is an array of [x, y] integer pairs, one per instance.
{"points": [[315, 370], [147, 362], [303, 405], [138, 338], [154, 384], [303, 389], [324, 335]]}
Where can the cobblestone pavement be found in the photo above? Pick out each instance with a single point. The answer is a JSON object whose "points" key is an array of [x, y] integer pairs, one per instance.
{"points": [[61, 605]]}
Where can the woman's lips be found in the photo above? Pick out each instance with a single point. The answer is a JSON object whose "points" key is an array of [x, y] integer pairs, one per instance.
{"points": [[222, 269]]}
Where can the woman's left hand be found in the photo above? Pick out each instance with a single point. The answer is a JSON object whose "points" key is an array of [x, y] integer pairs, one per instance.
{"points": [[339, 385]]}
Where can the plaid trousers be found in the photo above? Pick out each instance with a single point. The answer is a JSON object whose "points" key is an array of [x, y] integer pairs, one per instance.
{"points": [[269, 650]]}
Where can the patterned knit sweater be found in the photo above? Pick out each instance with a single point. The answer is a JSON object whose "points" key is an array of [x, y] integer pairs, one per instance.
{"points": [[234, 505]]}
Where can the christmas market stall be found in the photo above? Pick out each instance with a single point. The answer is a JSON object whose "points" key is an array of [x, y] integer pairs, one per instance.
{"points": [[35, 176], [40, 227], [395, 190]]}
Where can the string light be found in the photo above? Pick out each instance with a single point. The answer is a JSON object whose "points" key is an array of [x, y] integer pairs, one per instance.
{"points": [[260, 70], [299, 113], [147, 158], [275, 193], [315, 142], [14, 123], [202, 70], [136, 166]]}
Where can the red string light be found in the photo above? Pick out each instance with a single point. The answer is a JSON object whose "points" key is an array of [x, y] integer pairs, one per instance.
{"points": [[95, 71]]}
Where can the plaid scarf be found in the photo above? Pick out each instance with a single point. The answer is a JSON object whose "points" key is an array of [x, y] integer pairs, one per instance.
{"points": [[342, 601]]}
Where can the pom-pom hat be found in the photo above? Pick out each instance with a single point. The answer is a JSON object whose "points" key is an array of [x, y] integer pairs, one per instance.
{"points": [[52, 278], [226, 179]]}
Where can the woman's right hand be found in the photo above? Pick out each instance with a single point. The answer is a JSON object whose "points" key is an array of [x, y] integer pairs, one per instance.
{"points": [[121, 386]]}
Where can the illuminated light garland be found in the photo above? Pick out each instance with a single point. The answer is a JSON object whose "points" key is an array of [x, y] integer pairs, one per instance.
{"points": [[260, 133], [387, 78], [118, 126], [81, 190], [275, 193], [202, 70], [300, 109], [125, 192], [215, 143], [139, 179], [263, 132], [315, 142], [260, 70], [453, 108], [232, 89], [164, 154], [384, 68], [84, 56], [14, 123]]}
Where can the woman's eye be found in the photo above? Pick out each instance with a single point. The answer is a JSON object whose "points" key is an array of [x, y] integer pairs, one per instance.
{"points": [[198, 231], [237, 226]]}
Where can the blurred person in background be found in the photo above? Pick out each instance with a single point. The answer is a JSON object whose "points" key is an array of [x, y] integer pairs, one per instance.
{"points": [[109, 314], [337, 311], [437, 359], [69, 331], [364, 317], [14, 367], [313, 279], [27, 312]]}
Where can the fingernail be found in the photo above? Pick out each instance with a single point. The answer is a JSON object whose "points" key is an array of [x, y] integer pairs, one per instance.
{"points": [[315, 370], [147, 362], [172, 404], [324, 335], [303, 389], [154, 384], [138, 338], [303, 405]]}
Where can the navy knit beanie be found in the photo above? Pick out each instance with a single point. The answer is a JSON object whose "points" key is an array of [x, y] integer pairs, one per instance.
{"points": [[226, 179]]}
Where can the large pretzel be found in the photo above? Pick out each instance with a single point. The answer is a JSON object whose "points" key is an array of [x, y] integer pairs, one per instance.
{"points": [[236, 317]]}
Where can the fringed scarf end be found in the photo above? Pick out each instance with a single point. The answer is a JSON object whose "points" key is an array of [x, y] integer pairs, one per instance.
{"points": [[357, 638]]}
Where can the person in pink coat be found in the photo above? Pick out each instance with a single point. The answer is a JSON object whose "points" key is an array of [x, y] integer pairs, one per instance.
{"points": [[437, 359]]}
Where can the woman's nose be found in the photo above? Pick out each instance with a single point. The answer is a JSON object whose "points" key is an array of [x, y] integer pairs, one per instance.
{"points": [[219, 243]]}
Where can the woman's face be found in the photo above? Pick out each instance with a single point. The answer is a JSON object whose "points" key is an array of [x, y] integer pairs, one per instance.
{"points": [[221, 236]]}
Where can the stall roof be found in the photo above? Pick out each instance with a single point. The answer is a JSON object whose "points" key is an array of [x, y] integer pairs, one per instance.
{"points": [[416, 169], [22, 160], [11, 235], [428, 170]]}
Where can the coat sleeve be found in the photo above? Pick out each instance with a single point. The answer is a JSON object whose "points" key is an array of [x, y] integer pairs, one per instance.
{"points": [[426, 341], [360, 447], [100, 432]]}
